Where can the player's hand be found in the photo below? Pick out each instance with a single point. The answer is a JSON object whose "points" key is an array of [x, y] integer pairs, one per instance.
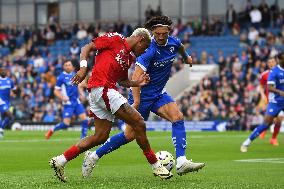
{"points": [[79, 76], [135, 105], [65, 99], [188, 61], [143, 80]]}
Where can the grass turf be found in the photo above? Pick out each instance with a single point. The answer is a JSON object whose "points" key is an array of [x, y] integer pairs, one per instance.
{"points": [[24, 160]]}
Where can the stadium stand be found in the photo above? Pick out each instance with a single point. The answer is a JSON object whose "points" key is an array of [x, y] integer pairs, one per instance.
{"points": [[34, 58]]}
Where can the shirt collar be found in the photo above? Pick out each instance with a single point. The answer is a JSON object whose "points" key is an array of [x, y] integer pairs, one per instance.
{"points": [[158, 43]]}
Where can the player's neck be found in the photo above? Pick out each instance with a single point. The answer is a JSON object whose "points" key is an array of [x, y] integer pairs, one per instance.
{"points": [[131, 42]]}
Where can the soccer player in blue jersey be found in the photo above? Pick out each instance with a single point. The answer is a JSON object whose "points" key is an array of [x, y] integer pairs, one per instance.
{"points": [[275, 86], [157, 62], [69, 94], [6, 87]]}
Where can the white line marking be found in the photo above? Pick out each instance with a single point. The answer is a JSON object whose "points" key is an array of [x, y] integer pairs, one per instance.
{"points": [[265, 160], [40, 140]]}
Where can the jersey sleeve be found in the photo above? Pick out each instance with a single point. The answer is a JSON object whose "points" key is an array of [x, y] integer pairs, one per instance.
{"points": [[272, 78], [144, 60], [178, 42], [59, 82], [106, 41]]}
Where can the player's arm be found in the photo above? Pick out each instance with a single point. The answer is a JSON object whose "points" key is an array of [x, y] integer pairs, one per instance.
{"points": [[85, 52], [81, 87], [261, 90], [57, 89], [136, 90], [142, 80], [185, 56], [272, 88], [271, 82], [57, 93], [14, 89]]}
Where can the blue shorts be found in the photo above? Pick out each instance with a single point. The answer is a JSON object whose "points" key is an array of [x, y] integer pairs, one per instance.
{"points": [[69, 110], [4, 108], [273, 109], [152, 105]]}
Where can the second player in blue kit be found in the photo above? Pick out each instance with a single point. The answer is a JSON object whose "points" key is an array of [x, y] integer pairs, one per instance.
{"points": [[69, 94]]}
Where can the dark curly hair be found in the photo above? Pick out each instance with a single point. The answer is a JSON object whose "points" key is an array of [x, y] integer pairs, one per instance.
{"points": [[158, 20]]}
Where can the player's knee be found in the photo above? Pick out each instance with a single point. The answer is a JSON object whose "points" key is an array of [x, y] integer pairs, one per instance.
{"points": [[129, 135], [140, 125], [101, 139], [177, 117]]}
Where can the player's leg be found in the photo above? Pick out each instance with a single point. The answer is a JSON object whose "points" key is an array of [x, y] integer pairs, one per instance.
{"points": [[115, 104], [277, 125], [271, 112], [102, 129], [166, 108], [5, 116], [262, 135], [133, 118], [116, 141], [66, 115], [80, 111]]}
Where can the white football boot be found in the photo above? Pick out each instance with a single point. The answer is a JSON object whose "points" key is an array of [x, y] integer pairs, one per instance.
{"points": [[58, 168], [162, 172], [189, 166], [88, 164]]}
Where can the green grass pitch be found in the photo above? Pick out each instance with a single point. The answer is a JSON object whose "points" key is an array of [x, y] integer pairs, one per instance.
{"points": [[24, 160]]}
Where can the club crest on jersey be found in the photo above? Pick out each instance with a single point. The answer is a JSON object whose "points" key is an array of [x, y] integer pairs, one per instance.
{"points": [[172, 49]]}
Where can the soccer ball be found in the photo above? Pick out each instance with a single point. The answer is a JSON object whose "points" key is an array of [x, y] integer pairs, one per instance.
{"points": [[167, 159]]}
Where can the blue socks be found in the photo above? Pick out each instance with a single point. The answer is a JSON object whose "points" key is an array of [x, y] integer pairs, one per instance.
{"points": [[112, 144], [60, 126], [4, 122], [84, 129], [256, 132], [179, 138]]}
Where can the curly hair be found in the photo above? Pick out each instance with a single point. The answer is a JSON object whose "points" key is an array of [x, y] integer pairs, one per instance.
{"points": [[158, 21]]}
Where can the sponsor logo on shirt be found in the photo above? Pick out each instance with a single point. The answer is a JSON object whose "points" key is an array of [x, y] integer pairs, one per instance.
{"points": [[163, 63]]}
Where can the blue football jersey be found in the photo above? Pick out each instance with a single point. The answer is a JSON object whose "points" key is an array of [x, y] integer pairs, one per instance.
{"points": [[6, 85], [67, 89], [276, 78], [157, 62]]}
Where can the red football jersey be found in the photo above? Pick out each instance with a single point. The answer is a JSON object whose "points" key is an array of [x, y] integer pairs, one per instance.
{"points": [[113, 59], [263, 81]]}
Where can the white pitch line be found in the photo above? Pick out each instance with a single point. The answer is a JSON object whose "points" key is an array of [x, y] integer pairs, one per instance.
{"points": [[265, 160], [39, 140]]}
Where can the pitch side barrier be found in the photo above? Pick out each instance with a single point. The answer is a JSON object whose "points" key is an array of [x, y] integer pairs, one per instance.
{"points": [[151, 126]]}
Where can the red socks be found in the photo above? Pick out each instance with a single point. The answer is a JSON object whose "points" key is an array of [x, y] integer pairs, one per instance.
{"points": [[71, 153], [151, 157], [276, 130]]}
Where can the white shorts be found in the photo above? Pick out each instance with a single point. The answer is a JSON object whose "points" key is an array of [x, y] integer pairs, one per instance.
{"points": [[104, 102]]}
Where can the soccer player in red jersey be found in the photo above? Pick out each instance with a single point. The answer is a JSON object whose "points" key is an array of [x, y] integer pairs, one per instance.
{"points": [[115, 54], [264, 91]]}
